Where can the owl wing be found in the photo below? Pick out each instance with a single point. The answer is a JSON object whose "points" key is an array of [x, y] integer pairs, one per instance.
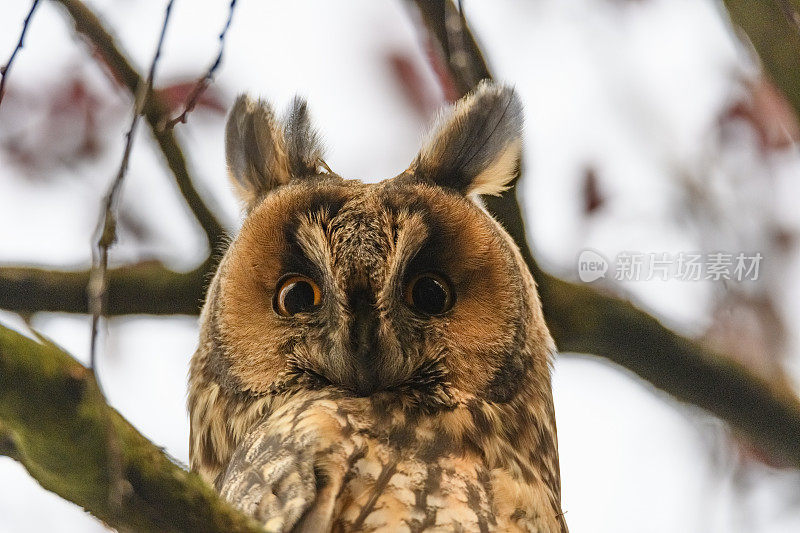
{"points": [[292, 465], [271, 477]]}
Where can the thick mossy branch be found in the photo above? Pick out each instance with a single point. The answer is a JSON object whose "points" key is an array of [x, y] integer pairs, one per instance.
{"points": [[54, 422], [584, 320], [89, 26]]}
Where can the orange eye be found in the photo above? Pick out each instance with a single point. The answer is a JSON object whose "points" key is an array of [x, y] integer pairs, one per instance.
{"points": [[429, 293], [296, 293]]}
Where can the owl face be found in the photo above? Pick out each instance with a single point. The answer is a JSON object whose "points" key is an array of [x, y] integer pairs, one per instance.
{"points": [[405, 289]]}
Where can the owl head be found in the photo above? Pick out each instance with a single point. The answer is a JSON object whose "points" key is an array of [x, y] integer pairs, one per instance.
{"points": [[405, 289]]}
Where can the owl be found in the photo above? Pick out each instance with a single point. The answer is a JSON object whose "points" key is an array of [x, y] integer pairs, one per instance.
{"points": [[373, 357]]}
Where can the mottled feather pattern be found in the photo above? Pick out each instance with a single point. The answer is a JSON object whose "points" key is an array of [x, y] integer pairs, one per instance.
{"points": [[388, 472]]}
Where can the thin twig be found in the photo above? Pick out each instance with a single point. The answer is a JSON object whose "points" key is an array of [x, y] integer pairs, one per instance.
{"points": [[203, 83], [119, 487], [7, 67], [108, 220]]}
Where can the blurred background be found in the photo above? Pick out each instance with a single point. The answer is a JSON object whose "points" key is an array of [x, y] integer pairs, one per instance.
{"points": [[650, 129]]}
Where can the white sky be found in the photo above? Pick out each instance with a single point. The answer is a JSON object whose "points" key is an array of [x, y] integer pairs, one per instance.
{"points": [[633, 92]]}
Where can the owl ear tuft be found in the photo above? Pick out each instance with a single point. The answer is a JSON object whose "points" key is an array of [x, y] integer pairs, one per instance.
{"points": [[263, 153], [302, 140], [476, 145]]}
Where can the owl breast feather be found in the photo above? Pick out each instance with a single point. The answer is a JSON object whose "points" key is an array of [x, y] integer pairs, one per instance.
{"points": [[325, 462]]}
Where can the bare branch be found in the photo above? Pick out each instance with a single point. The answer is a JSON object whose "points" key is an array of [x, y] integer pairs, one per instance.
{"points": [[203, 83], [89, 26], [584, 320], [4, 70], [108, 218], [53, 421]]}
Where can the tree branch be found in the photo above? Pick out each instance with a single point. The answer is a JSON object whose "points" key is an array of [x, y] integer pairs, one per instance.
{"points": [[581, 319], [144, 288], [5, 69], [461, 54], [88, 25], [772, 27], [53, 422]]}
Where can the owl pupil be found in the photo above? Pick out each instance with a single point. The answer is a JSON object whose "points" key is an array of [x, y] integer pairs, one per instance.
{"points": [[429, 296], [298, 297]]}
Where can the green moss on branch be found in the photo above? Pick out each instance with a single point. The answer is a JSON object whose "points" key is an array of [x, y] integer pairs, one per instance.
{"points": [[54, 421]]}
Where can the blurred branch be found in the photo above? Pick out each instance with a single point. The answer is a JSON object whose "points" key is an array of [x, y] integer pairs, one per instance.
{"points": [[457, 45], [8, 447], [144, 288], [203, 83], [5, 69], [790, 12], [773, 28], [53, 422], [88, 25], [584, 320]]}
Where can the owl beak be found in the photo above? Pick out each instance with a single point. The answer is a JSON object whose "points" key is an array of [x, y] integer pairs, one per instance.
{"points": [[364, 344]]}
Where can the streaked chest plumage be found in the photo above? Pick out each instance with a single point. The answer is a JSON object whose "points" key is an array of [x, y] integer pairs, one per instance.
{"points": [[325, 462]]}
